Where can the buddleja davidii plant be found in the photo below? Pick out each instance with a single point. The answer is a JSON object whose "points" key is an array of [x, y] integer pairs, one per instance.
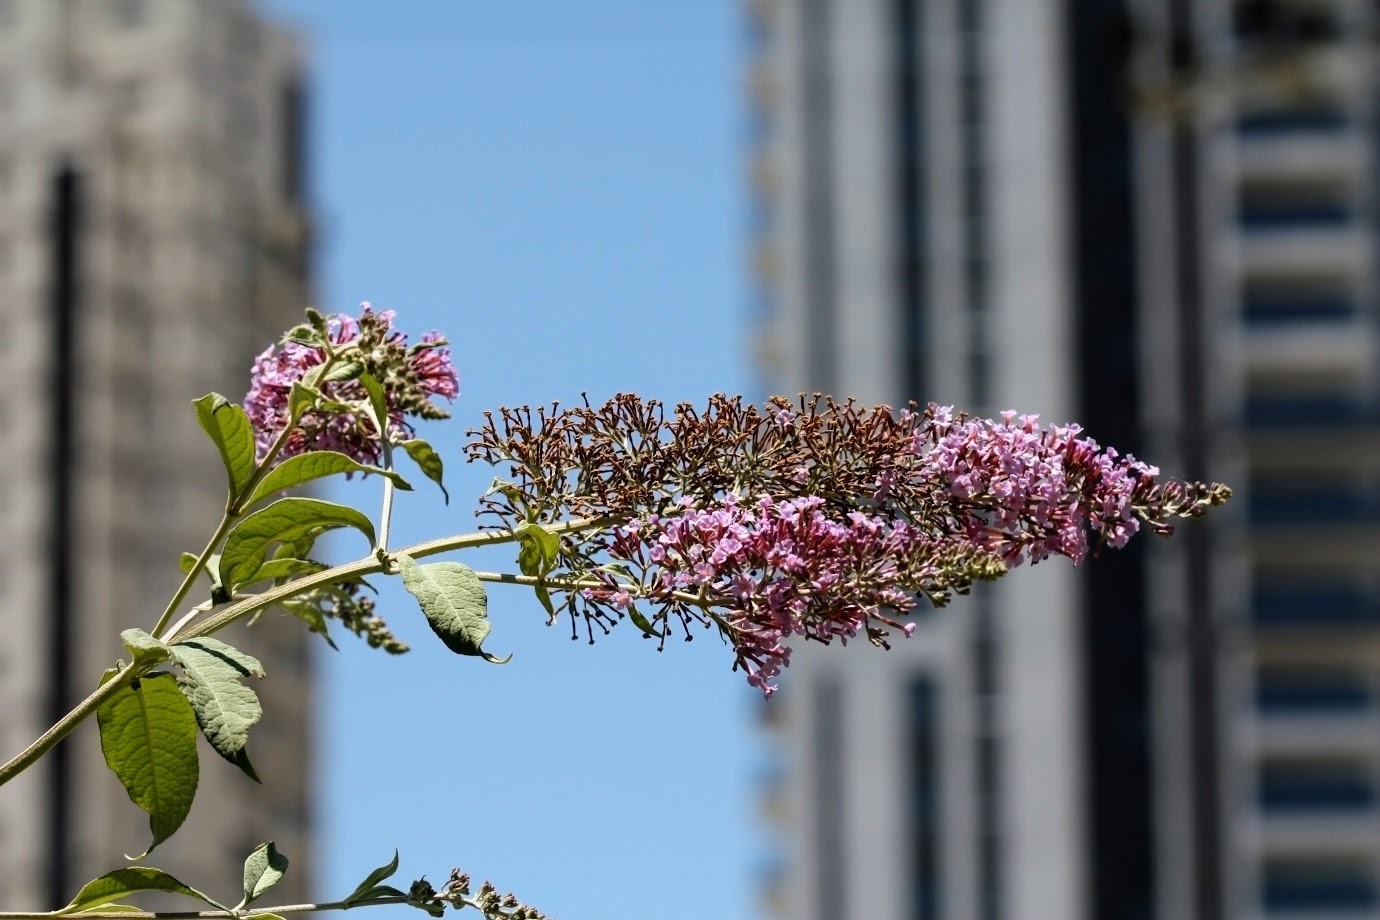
{"points": [[815, 520], [336, 396]]}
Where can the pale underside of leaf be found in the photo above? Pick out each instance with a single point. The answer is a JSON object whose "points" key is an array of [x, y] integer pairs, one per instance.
{"points": [[225, 708], [454, 601]]}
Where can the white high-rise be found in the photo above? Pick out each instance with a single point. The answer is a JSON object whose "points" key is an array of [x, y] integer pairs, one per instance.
{"points": [[1157, 218], [153, 237]]}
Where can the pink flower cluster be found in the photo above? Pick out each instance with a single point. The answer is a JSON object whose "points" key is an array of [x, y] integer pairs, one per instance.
{"points": [[410, 376], [777, 569], [1026, 492], [816, 518]]}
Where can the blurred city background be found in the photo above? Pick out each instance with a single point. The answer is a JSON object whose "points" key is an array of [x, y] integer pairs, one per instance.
{"points": [[1155, 217]]}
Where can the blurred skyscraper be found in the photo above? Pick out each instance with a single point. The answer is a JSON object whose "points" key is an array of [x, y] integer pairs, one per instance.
{"points": [[153, 236], [1157, 218]]}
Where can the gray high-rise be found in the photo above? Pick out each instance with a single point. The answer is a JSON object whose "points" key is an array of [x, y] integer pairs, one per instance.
{"points": [[153, 236], [1157, 218]]}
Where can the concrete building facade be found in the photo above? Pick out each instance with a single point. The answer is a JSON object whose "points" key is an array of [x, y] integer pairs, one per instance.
{"points": [[154, 236], [1157, 218]]}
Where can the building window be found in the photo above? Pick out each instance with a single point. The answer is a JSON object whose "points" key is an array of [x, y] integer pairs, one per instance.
{"points": [[159, 497], [1311, 204], [243, 41], [129, 95], [1292, 302], [1311, 690], [1318, 884], [6, 13], [1298, 785], [127, 13], [292, 115]]}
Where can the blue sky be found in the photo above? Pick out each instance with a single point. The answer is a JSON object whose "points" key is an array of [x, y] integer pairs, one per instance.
{"points": [[557, 187]]}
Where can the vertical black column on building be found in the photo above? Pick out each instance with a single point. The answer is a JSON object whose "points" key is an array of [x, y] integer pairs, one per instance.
{"points": [[818, 148], [1115, 627], [975, 212], [64, 234], [926, 800], [912, 229], [1200, 634]]}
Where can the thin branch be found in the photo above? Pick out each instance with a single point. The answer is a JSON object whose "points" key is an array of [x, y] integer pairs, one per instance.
{"points": [[369, 565], [246, 914], [63, 728], [226, 522], [576, 584]]}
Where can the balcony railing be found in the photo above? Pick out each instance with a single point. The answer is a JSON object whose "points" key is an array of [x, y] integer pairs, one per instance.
{"points": [[1269, 508], [1277, 122], [1319, 890], [1324, 606], [1273, 215], [1309, 412], [1314, 694], [1266, 311], [1314, 792]]}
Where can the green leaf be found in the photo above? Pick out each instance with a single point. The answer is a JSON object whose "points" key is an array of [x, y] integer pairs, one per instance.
{"points": [[503, 487], [145, 649], [430, 462], [642, 623], [263, 869], [229, 429], [318, 464], [618, 568], [373, 894], [296, 549], [225, 709], [378, 403], [544, 598], [148, 736], [121, 908], [187, 562], [274, 569], [347, 371], [419, 347], [302, 397], [373, 879], [102, 893], [246, 665], [454, 601], [539, 549], [310, 614], [312, 378], [285, 521]]}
